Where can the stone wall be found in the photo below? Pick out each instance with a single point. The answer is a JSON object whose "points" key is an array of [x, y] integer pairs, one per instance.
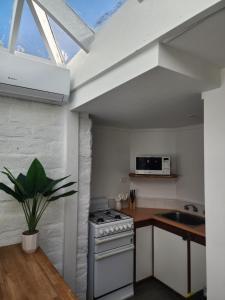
{"points": [[85, 154], [29, 130]]}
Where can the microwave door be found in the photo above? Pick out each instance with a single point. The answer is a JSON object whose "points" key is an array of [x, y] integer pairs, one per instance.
{"points": [[156, 163], [142, 163], [149, 165]]}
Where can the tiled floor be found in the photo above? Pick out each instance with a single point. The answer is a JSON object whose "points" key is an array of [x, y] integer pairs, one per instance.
{"points": [[152, 289]]}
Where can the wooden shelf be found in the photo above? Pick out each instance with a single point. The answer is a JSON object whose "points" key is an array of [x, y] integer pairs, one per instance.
{"points": [[153, 176]]}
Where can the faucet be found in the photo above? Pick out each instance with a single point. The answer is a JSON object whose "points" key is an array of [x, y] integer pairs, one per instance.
{"points": [[195, 209]]}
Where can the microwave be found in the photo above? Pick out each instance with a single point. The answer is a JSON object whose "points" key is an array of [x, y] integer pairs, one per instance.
{"points": [[153, 164]]}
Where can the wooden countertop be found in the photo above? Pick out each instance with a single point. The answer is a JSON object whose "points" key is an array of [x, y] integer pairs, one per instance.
{"points": [[144, 216], [30, 276]]}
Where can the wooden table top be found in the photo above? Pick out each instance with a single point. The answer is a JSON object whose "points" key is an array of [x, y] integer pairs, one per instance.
{"points": [[30, 276], [140, 214]]}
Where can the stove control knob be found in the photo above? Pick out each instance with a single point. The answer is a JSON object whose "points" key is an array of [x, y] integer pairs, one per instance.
{"points": [[101, 232], [111, 229], [116, 228], [125, 227], [106, 231], [120, 228], [129, 226]]}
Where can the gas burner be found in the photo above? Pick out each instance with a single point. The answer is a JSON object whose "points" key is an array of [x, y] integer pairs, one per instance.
{"points": [[106, 216]]}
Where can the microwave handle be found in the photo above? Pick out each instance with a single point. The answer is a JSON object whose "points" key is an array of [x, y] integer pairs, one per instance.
{"points": [[113, 252]]}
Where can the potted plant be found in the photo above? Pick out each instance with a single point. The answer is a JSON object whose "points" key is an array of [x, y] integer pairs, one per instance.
{"points": [[34, 191]]}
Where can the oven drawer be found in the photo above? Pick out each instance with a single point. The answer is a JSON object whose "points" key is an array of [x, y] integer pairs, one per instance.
{"points": [[114, 241], [113, 270]]}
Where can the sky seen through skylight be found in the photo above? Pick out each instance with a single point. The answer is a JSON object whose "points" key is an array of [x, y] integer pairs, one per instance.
{"points": [[29, 40]]}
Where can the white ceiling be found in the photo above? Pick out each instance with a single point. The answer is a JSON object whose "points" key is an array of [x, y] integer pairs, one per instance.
{"points": [[206, 40], [156, 99], [162, 98]]}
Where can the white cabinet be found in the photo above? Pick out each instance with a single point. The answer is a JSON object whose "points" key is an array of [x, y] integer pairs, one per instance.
{"points": [[170, 260], [143, 252], [198, 267]]}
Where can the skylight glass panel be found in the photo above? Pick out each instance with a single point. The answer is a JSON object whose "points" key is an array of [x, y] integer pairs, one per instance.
{"points": [[29, 39], [6, 10], [64, 42], [95, 12]]}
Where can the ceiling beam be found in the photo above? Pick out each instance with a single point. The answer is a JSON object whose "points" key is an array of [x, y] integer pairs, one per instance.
{"points": [[15, 24], [69, 21], [43, 25]]}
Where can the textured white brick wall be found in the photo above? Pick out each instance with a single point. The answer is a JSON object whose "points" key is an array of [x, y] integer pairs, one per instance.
{"points": [[85, 152], [29, 130]]}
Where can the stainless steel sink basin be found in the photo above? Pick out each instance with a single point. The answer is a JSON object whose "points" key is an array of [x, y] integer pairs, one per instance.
{"points": [[184, 218]]}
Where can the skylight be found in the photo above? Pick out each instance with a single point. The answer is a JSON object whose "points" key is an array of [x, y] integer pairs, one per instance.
{"points": [[95, 12], [68, 47], [6, 9], [29, 39], [39, 27]]}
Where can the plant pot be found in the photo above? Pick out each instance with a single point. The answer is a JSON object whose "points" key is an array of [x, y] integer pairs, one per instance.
{"points": [[30, 241]]}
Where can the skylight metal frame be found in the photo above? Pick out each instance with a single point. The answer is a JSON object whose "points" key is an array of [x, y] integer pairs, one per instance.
{"points": [[69, 21], [43, 25], [15, 24], [62, 14]]}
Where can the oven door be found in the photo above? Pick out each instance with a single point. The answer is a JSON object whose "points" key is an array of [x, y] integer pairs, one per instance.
{"points": [[113, 270]]}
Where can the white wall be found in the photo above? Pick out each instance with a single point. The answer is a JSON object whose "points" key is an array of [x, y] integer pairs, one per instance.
{"points": [[85, 157], [110, 161], [153, 141], [190, 163], [215, 190], [71, 203], [185, 145], [29, 130], [145, 23], [114, 153], [50, 133]]}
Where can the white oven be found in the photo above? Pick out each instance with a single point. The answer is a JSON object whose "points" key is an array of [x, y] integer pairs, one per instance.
{"points": [[113, 270], [111, 257]]}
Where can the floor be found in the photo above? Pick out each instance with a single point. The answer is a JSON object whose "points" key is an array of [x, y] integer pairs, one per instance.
{"points": [[155, 290]]}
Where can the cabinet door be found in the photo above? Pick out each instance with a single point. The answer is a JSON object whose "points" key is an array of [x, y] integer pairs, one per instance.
{"points": [[198, 267], [143, 252], [170, 260]]}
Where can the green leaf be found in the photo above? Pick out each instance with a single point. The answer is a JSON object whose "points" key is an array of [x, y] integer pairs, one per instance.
{"points": [[22, 180], [52, 183], [36, 179], [62, 195], [59, 188], [9, 191], [14, 181]]}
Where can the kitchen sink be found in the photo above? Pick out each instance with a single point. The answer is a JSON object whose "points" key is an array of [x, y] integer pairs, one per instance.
{"points": [[184, 218]]}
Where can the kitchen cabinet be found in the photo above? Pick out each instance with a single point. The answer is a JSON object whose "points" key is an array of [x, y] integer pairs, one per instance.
{"points": [[143, 252], [198, 267], [179, 263], [170, 260]]}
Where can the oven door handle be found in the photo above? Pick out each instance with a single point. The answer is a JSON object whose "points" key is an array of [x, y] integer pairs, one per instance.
{"points": [[114, 252], [112, 238]]}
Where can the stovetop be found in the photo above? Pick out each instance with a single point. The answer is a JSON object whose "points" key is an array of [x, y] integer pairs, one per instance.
{"points": [[107, 216]]}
